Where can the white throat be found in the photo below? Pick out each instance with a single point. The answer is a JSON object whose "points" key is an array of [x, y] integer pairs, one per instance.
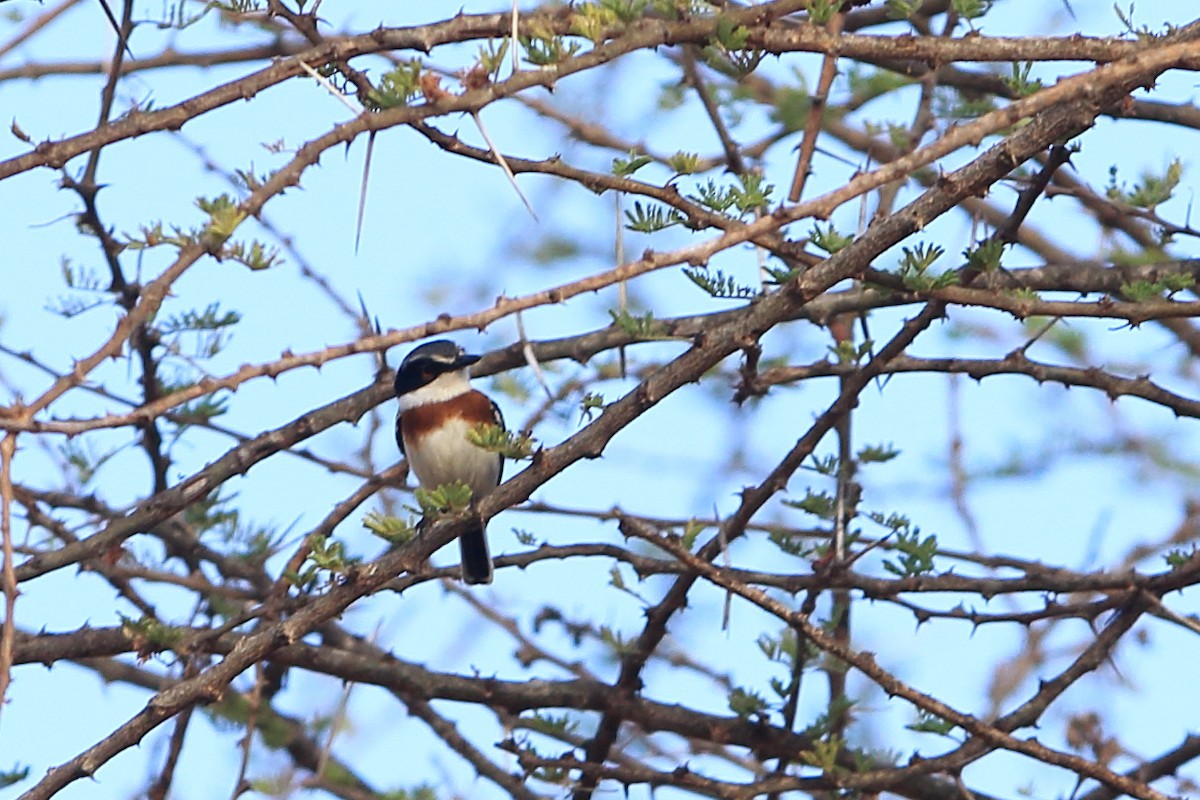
{"points": [[446, 386]]}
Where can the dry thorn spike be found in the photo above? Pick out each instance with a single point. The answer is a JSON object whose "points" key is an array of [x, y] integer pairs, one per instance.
{"points": [[8, 577], [514, 34], [531, 357], [623, 286], [512, 178], [345, 99], [362, 191], [333, 90]]}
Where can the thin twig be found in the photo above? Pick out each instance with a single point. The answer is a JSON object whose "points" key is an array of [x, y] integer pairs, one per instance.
{"points": [[816, 110]]}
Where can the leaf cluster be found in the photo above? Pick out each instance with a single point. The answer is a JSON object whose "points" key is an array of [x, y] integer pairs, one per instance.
{"points": [[643, 328], [1151, 191], [399, 86], [325, 554], [548, 49], [651, 218], [719, 285], [829, 239], [601, 20], [1142, 290], [393, 530], [914, 268], [916, 554], [515, 445], [751, 194]]}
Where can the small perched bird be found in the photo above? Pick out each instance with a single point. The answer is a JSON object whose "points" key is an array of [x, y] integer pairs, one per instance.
{"points": [[438, 408]]}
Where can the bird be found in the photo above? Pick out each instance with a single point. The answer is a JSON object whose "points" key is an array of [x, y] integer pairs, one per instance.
{"points": [[438, 408]]}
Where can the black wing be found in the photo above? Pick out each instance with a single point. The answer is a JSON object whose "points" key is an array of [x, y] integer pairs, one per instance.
{"points": [[400, 437], [499, 421]]}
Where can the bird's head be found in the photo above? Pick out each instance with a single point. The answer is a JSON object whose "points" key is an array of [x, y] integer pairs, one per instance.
{"points": [[442, 361]]}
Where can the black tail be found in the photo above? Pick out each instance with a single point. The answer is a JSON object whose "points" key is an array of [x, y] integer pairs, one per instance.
{"points": [[476, 562]]}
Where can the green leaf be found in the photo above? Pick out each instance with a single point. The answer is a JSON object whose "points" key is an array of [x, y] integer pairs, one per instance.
{"points": [[626, 10], [1142, 32], [398, 87], [393, 530], [224, 215], [82, 457], [1152, 191], [970, 9], [684, 163], [1178, 282], [824, 723], [713, 197], [691, 531], [256, 255], [770, 646], [1141, 290], [985, 256], [495, 439], [643, 327], [877, 454], [826, 465], [592, 401], [328, 553], [445, 499], [651, 218], [624, 167], [779, 276], [920, 258], [15, 775], [821, 11], [902, 9], [847, 352], [931, 723], [819, 504], [209, 319], [829, 239], [614, 640], [791, 106], [746, 703], [914, 268], [754, 193], [824, 754], [791, 543], [718, 284], [547, 50], [1019, 80], [491, 57], [868, 83], [730, 35], [559, 726], [149, 635], [1180, 558], [915, 554]]}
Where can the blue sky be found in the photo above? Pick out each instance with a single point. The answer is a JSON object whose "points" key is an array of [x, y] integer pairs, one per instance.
{"points": [[445, 235]]}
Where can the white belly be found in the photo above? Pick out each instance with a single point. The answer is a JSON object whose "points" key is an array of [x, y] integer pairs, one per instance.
{"points": [[447, 456]]}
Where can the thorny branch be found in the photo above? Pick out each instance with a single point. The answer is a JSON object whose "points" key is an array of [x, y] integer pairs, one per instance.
{"points": [[263, 613]]}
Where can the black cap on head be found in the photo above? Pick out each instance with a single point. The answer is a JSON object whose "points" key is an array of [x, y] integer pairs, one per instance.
{"points": [[424, 363]]}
